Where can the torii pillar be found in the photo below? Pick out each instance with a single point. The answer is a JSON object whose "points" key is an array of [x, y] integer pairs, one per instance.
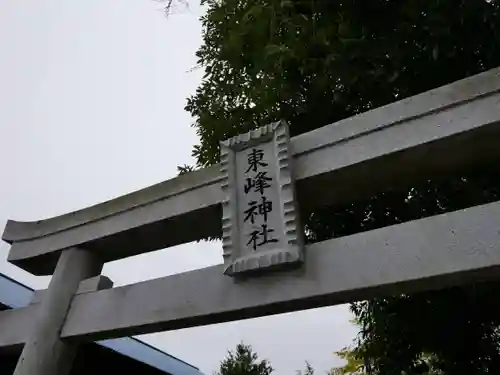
{"points": [[44, 352]]}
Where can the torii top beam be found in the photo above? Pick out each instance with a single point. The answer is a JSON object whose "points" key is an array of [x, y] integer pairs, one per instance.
{"points": [[436, 131]]}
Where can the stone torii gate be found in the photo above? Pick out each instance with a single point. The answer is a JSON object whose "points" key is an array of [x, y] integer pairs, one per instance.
{"points": [[443, 130]]}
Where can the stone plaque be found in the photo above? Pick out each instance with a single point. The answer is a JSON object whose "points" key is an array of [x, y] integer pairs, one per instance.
{"points": [[260, 226]]}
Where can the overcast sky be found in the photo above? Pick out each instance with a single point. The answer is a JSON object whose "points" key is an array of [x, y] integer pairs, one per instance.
{"points": [[91, 107]]}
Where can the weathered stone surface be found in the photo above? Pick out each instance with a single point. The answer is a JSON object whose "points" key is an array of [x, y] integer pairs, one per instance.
{"points": [[88, 285], [15, 326], [432, 253], [44, 352], [260, 217]]}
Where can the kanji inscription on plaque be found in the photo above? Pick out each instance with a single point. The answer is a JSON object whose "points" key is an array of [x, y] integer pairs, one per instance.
{"points": [[260, 221]]}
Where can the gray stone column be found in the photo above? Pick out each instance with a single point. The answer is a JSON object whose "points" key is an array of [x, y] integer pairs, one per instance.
{"points": [[44, 352]]}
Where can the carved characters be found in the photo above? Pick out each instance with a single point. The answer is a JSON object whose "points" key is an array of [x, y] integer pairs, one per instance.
{"points": [[256, 213]]}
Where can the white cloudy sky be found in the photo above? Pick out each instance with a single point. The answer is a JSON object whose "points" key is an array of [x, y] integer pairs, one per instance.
{"points": [[91, 107]]}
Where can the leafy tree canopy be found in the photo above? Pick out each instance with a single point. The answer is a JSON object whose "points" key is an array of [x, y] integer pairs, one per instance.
{"points": [[354, 363], [308, 370], [313, 62], [243, 361]]}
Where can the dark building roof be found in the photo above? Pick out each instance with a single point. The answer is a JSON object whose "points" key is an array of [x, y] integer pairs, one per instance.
{"points": [[124, 356]]}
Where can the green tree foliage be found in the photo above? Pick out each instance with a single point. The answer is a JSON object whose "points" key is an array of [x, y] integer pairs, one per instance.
{"points": [[354, 363], [357, 363], [243, 361], [313, 62], [308, 370]]}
